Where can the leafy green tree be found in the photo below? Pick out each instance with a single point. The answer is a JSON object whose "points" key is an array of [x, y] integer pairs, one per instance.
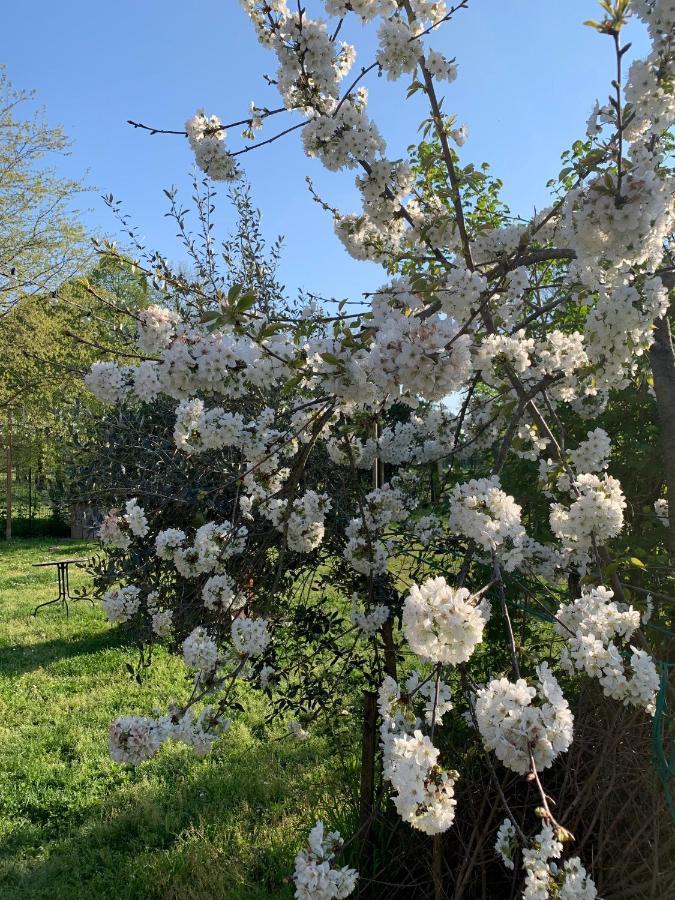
{"points": [[42, 243]]}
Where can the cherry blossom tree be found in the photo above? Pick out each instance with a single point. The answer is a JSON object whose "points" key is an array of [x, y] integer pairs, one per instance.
{"points": [[347, 469]]}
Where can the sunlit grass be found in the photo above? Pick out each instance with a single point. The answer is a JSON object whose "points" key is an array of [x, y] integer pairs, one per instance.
{"points": [[75, 825]]}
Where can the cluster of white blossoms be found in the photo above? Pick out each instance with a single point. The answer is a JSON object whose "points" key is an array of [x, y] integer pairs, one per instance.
{"points": [[596, 513], [316, 875], [424, 791], [106, 381], [592, 455], [483, 512], [626, 233], [515, 349], [439, 67], [661, 510], [161, 619], [207, 140], [212, 547], [220, 593], [598, 632], [134, 739], [411, 356], [515, 719], [302, 521], [366, 551], [200, 651], [443, 624], [156, 328], [121, 603], [398, 52], [119, 527], [545, 880], [462, 292], [370, 621], [506, 843], [250, 637]]}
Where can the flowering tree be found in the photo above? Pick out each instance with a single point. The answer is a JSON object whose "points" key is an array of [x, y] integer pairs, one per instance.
{"points": [[357, 513]]}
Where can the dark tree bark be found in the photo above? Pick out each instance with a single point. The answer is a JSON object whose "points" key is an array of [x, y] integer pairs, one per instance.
{"points": [[662, 358]]}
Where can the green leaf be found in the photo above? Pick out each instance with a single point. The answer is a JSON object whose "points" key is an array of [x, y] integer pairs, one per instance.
{"points": [[234, 292], [245, 302]]}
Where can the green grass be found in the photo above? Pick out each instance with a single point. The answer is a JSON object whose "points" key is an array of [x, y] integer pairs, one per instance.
{"points": [[75, 825]]}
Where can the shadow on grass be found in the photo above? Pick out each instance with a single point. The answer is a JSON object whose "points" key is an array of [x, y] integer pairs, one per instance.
{"points": [[217, 830], [28, 657]]}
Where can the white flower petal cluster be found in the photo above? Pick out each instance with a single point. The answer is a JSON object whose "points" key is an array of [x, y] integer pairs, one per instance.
{"points": [[107, 382], [370, 621], [220, 593], [506, 843], [114, 531], [168, 541], [515, 349], [156, 328], [515, 718], [398, 50], [365, 550], [596, 512], [303, 524], [120, 604], [628, 233], [212, 547], [482, 511], [199, 734], [133, 739], [135, 518], [592, 455], [162, 622], [316, 876], [439, 67], [366, 9], [443, 624], [545, 880], [598, 632], [340, 140], [117, 527], [427, 528], [250, 637], [662, 513], [424, 791], [146, 384], [200, 651], [207, 140]]}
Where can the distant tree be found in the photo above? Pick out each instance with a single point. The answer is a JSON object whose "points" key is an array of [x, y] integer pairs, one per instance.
{"points": [[42, 243]]}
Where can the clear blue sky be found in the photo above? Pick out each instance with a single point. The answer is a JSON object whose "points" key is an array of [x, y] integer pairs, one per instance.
{"points": [[529, 72]]}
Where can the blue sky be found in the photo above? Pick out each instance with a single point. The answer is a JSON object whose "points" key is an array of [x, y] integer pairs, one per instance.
{"points": [[529, 72]]}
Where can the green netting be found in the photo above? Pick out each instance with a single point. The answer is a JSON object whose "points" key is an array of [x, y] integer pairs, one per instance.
{"points": [[663, 738]]}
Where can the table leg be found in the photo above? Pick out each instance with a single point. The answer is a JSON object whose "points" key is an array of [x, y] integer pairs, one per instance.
{"points": [[62, 598]]}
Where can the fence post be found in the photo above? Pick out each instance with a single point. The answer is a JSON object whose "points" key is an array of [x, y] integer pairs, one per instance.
{"points": [[8, 453]]}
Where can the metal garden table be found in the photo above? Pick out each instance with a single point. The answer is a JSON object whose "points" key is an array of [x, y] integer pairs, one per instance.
{"points": [[64, 586]]}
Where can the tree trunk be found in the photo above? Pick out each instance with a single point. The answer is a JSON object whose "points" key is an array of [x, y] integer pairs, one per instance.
{"points": [[367, 791], [662, 358], [8, 453]]}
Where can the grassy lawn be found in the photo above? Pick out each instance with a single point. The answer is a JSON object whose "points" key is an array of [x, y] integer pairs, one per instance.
{"points": [[75, 825]]}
